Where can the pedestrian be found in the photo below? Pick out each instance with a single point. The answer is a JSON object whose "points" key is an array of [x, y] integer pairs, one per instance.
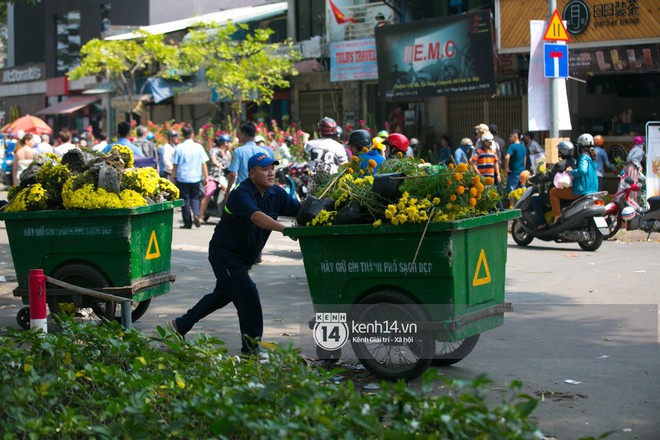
{"points": [[325, 151], [501, 144], [64, 143], [601, 159], [123, 129], [238, 168], [445, 150], [102, 139], [23, 156], [484, 160], [190, 174], [147, 147], [283, 153], [250, 216], [514, 162], [44, 146], [534, 150], [220, 158], [463, 152], [166, 154]]}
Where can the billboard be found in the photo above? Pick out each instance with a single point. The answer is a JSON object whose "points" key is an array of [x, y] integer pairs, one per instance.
{"points": [[443, 56], [353, 60]]}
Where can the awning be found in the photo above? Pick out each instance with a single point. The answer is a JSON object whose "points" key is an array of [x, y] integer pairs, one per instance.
{"points": [[69, 106], [237, 15]]}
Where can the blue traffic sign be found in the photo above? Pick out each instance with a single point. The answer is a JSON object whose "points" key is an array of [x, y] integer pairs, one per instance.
{"points": [[555, 60]]}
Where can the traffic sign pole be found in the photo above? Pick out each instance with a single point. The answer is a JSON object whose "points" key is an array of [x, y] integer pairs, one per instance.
{"points": [[554, 90]]}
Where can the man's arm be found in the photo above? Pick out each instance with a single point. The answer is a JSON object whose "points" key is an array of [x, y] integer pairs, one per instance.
{"points": [[506, 163], [263, 221], [173, 175]]}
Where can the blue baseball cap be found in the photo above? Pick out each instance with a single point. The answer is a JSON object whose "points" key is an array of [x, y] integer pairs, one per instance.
{"points": [[261, 160]]}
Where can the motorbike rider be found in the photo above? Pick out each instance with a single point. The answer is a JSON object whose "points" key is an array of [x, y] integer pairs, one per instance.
{"points": [[325, 150], [358, 141], [544, 180], [585, 176], [396, 145]]}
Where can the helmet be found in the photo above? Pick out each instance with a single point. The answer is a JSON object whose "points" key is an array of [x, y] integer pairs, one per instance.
{"points": [[172, 134], [638, 140], [223, 138], [327, 127], [398, 141], [488, 136], [599, 140], [565, 148], [360, 139], [377, 143], [288, 139], [340, 133], [585, 140], [628, 213], [383, 134]]}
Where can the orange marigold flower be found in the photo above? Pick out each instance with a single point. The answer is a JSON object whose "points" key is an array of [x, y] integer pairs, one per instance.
{"points": [[448, 181], [451, 165], [452, 197], [350, 170], [473, 201], [461, 167], [458, 176], [473, 192], [476, 180], [460, 190], [361, 171], [489, 181], [372, 163], [365, 150]]}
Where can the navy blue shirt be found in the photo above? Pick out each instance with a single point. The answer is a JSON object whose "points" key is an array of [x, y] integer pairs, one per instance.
{"points": [[236, 236]]}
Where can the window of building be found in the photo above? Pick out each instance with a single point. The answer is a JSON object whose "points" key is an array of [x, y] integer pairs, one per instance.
{"points": [[68, 41]]}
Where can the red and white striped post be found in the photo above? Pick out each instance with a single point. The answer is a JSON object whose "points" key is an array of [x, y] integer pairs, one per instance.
{"points": [[37, 293]]}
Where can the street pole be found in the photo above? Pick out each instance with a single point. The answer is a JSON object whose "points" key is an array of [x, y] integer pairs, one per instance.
{"points": [[554, 86]]}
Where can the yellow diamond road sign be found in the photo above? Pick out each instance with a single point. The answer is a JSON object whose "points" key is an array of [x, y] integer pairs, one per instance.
{"points": [[556, 31]]}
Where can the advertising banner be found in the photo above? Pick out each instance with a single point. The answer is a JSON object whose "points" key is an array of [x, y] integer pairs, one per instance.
{"points": [[605, 60], [538, 87], [443, 56], [353, 60], [652, 159]]}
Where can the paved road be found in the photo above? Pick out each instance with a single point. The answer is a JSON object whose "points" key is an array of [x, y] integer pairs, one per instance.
{"points": [[587, 317]]}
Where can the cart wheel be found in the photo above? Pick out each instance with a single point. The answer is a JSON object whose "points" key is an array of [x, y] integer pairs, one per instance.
{"points": [[138, 308], [80, 307], [454, 351], [401, 352], [326, 355], [23, 318]]}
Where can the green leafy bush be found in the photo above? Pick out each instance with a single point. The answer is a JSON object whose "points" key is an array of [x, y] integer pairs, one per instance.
{"points": [[105, 382]]}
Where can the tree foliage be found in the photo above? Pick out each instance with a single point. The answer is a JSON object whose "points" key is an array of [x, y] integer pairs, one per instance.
{"points": [[239, 63], [122, 63]]}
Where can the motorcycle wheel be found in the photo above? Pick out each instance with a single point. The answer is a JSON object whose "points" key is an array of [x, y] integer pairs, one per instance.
{"points": [[520, 236], [594, 241], [614, 222]]}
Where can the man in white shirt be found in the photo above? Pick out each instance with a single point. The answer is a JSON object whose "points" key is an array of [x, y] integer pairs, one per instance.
{"points": [[166, 153], [64, 138], [190, 174], [44, 146], [325, 151], [102, 138]]}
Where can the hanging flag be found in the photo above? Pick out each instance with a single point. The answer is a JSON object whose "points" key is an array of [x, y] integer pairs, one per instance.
{"points": [[339, 16]]}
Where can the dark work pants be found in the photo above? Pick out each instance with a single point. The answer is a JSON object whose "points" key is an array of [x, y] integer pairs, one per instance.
{"points": [[233, 284], [192, 195]]}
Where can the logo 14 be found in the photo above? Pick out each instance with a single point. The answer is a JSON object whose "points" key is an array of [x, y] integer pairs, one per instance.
{"points": [[330, 331]]}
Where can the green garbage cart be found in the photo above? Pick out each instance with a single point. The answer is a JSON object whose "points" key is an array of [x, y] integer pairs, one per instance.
{"points": [[125, 252], [405, 296]]}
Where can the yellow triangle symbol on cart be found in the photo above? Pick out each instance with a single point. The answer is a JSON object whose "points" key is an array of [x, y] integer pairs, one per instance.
{"points": [[481, 263], [153, 251]]}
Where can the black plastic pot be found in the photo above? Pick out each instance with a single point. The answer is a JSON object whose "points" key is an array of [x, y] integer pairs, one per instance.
{"points": [[311, 207], [387, 185]]}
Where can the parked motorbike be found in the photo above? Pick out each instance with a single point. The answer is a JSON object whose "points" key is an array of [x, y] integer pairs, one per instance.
{"points": [[284, 179], [583, 221], [216, 205], [301, 176], [621, 200], [636, 217]]}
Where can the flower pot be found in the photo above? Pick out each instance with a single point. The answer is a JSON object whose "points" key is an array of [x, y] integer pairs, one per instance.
{"points": [[353, 214], [387, 185], [311, 207]]}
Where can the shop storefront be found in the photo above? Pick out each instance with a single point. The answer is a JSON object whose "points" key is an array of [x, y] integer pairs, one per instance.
{"points": [[613, 52], [22, 90]]}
